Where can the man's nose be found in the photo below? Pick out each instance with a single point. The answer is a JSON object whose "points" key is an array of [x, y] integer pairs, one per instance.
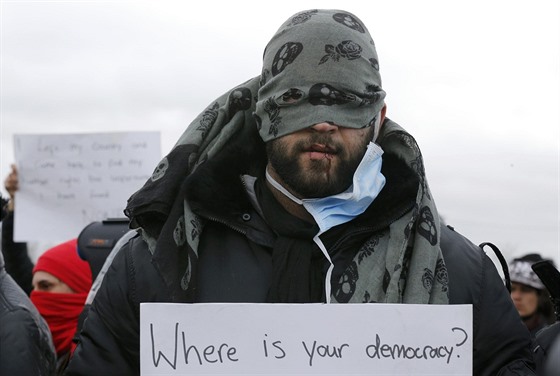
{"points": [[324, 127]]}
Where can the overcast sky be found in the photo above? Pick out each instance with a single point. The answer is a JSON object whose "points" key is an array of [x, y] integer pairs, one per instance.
{"points": [[476, 82]]}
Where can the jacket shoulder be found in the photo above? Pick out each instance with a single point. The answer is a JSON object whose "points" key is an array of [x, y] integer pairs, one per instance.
{"points": [[109, 342], [465, 266], [147, 283]]}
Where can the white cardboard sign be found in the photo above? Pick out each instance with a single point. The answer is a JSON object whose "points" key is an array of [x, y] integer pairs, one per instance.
{"points": [[305, 339], [67, 181]]}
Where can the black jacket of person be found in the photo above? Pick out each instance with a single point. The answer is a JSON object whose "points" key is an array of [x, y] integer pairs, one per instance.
{"points": [[235, 266], [26, 346]]}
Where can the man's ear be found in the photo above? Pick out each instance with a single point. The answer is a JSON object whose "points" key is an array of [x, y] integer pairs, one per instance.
{"points": [[383, 112], [379, 125]]}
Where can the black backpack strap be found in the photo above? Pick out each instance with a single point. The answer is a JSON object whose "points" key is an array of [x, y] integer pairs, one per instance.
{"points": [[502, 260]]}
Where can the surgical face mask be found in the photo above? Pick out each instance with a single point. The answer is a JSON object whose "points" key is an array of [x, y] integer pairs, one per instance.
{"points": [[331, 211]]}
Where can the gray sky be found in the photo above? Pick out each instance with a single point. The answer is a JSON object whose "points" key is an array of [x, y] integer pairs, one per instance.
{"points": [[476, 82]]}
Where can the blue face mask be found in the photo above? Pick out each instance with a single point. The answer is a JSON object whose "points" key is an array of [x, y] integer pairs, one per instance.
{"points": [[343, 207]]}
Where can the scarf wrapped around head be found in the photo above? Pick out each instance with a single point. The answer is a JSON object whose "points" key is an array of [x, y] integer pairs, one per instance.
{"points": [[331, 49], [320, 66]]}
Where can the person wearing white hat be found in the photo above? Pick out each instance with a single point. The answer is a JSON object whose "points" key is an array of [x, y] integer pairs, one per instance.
{"points": [[529, 295]]}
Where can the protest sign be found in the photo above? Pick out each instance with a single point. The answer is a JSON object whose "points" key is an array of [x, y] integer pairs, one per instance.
{"points": [[67, 181], [305, 339]]}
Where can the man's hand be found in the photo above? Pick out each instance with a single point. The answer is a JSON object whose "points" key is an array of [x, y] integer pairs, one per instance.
{"points": [[11, 183]]}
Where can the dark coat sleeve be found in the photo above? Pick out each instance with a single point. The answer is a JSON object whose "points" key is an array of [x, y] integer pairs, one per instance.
{"points": [[109, 343], [20, 352], [501, 343], [25, 342], [16, 258]]}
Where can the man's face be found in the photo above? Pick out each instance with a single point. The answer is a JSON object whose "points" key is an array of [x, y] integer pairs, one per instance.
{"points": [[319, 161]]}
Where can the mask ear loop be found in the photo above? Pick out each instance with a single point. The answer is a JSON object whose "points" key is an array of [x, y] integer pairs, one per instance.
{"points": [[280, 188]]}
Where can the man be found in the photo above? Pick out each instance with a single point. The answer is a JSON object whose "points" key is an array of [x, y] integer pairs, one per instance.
{"points": [[294, 188]]}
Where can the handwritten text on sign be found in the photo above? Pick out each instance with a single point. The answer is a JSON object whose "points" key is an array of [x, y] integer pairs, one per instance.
{"points": [[67, 181], [273, 339]]}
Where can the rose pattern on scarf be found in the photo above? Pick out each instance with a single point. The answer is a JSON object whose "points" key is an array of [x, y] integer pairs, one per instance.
{"points": [[239, 100], [428, 279], [369, 247], [349, 21], [273, 111], [285, 56], [160, 169], [347, 284], [427, 225], [346, 49], [441, 276], [208, 119], [302, 17], [325, 95]]}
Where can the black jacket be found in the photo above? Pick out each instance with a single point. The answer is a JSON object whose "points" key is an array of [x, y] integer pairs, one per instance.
{"points": [[234, 266], [25, 341]]}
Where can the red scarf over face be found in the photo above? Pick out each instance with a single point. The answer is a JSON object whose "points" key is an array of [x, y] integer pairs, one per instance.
{"points": [[61, 310]]}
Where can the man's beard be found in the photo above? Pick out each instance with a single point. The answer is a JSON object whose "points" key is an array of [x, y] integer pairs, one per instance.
{"points": [[320, 179]]}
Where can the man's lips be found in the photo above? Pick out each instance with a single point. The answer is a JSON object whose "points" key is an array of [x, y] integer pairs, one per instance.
{"points": [[320, 151]]}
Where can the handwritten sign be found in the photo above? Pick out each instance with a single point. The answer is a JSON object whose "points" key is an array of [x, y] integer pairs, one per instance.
{"points": [[67, 181], [305, 339]]}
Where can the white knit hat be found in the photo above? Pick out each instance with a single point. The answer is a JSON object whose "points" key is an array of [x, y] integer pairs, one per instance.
{"points": [[520, 271]]}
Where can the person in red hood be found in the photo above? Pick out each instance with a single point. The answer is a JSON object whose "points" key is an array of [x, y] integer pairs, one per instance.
{"points": [[61, 282]]}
